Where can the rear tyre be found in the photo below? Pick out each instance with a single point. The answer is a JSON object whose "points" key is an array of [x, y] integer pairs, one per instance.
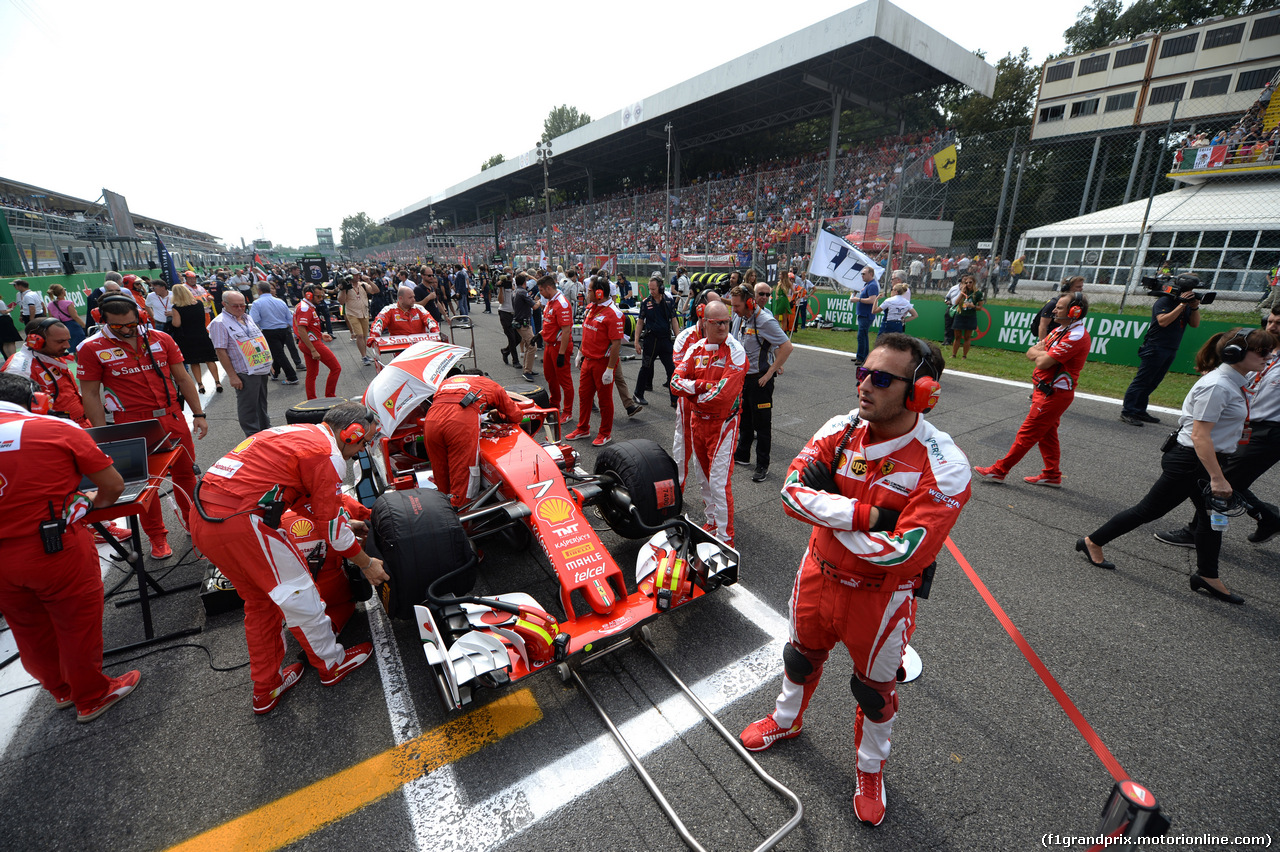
{"points": [[312, 410], [534, 392], [649, 476], [420, 539]]}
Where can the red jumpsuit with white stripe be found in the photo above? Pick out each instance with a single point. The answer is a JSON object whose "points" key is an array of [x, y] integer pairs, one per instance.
{"points": [[302, 466], [331, 579], [452, 433], [395, 320], [52, 376], [51, 601], [710, 378], [858, 587], [1069, 346], [138, 386], [681, 447], [602, 324], [556, 315], [307, 326]]}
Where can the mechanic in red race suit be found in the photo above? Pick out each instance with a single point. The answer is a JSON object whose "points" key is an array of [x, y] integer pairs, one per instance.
{"points": [[1059, 358], [452, 432], [882, 488], [404, 317], [710, 381], [242, 499], [45, 358], [602, 331], [310, 538], [52, 601], [132, 373], [308, 327], [557, 337], [680, 446]]}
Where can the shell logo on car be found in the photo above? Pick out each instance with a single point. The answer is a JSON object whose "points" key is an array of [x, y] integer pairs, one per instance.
{"points": [[554, 510]]}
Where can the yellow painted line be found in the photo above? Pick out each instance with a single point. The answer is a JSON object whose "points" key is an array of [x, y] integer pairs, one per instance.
{"points": [[298, 814]]}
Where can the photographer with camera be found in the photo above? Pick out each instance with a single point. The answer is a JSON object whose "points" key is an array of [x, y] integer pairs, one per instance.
{"points": [[353, 295], [1177, 307]]}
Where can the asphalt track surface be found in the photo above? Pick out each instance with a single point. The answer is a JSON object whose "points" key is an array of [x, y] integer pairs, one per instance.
{"points": [[1179, 687]]}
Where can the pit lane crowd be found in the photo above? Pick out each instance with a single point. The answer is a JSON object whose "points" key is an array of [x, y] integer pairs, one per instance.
{"points": [[880, 485]]}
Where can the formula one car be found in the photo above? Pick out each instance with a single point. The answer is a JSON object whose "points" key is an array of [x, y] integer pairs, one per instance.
{"points": [[532, 490]]}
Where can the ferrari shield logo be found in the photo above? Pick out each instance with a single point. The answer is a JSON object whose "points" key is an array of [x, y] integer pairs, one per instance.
{"points": [[390, 402]]}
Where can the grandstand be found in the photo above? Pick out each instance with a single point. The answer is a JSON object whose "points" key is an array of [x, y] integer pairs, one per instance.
{"points": [[50, 229], [821, 70]]}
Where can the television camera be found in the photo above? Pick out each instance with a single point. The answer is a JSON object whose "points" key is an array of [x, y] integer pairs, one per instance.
{"points": [[1182, 287]]}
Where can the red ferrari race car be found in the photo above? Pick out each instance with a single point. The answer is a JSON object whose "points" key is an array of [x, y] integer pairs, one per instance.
{"points": [[532, 489]]}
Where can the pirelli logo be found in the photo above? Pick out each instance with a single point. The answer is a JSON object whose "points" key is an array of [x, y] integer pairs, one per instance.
{"points": [[580, 550]]}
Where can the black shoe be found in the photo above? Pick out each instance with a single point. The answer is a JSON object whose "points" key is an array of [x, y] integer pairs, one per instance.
{"points": [[634, 410], [505, 356], [1182, 537], [529, 377], [1198, 584], [1084, 548], [1264, 532], [743, 462], [1146, 418], [1132, 420], [639, 400], [761, 474]]}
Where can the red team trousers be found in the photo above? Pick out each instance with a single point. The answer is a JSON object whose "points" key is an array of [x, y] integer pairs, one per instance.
{"points": [[313, 369]]}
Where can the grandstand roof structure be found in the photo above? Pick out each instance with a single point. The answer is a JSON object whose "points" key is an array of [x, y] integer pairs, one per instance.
{"points": [[870, 55], [59, 201]]}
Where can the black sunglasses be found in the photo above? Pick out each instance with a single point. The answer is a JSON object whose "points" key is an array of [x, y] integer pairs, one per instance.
{"points": [[879, 378]]}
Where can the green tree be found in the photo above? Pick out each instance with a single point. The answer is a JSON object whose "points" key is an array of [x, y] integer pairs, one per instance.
{"points": [[492, 161], [360, 232], [1102, 21], [1010, 104], [561, 120]]}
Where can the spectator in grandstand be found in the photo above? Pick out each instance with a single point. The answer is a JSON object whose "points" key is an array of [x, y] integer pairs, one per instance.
{"points": [[1175, 309], [966, 313], [865, 296], [29, 305], [897, 310], [1047, 320], [187, 327], [64, 310], [1213, 416]]}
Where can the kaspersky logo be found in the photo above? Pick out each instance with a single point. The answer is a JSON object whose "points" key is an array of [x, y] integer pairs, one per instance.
{"points": [[554, 510]]}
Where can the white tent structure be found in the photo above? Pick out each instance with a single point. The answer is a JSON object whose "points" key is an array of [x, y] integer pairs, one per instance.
{"points": [[1227, 232]]}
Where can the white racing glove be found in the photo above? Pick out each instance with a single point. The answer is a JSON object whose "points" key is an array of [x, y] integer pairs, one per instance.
{"points": [[577, 359], [607, 378]]}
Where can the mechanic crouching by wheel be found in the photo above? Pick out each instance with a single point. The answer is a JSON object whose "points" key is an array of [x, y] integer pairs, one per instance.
{"points": [[452, 432], [882, 489], [710, 379], [241, 501]]}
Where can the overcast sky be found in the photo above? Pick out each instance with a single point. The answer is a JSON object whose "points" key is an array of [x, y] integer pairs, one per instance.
{"points": [[269, 119]]}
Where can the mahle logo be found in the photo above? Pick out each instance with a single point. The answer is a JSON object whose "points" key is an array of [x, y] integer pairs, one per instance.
{"points": [[554, 510]]}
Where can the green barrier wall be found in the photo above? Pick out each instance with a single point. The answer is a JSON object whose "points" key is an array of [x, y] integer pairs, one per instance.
{"points": [[75, 285], [1116, 338]]}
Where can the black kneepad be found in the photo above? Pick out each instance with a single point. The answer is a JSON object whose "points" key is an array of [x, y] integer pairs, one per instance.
{"points": [[871, 701], [796, 665]]}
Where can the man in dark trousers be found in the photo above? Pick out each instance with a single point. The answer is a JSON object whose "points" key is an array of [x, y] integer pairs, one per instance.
{"points": [[1175, 309], [767, 350], [658, 330]]}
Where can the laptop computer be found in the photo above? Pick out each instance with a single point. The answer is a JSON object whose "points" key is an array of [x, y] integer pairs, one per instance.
{"points": [[157, 436], [130, 459]]}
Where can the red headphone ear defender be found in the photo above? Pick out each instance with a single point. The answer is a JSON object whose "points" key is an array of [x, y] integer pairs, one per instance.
{"points": [[702, 309], [1076, 309], [924, 391], [357, 431], [41, 402], [35, 335]]}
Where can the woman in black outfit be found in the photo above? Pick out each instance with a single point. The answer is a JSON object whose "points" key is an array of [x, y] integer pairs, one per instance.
{"points": [[191, 335], [1209, 428]]}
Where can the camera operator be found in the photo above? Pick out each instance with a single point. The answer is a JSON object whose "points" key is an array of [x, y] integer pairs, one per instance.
{"points": [[353, 295], [50, 584], [1177, 307]]}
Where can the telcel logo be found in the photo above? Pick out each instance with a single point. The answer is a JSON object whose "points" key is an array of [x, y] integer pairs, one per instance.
{"points": [[584, 576]]}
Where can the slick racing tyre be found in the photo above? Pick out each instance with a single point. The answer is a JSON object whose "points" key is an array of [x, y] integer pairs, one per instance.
{"points": [[649, 476], [535, 393], [312, 410], [420, 539]]}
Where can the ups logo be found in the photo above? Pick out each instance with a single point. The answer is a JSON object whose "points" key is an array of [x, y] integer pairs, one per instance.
{"points": [[858, 467]]}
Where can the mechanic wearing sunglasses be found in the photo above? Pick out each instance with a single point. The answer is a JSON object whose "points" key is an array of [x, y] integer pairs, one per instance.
{"points": [[882, 488]]}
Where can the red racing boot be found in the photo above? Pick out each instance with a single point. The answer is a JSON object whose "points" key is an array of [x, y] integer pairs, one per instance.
{"points": [[761, 734], [868, 798]]}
